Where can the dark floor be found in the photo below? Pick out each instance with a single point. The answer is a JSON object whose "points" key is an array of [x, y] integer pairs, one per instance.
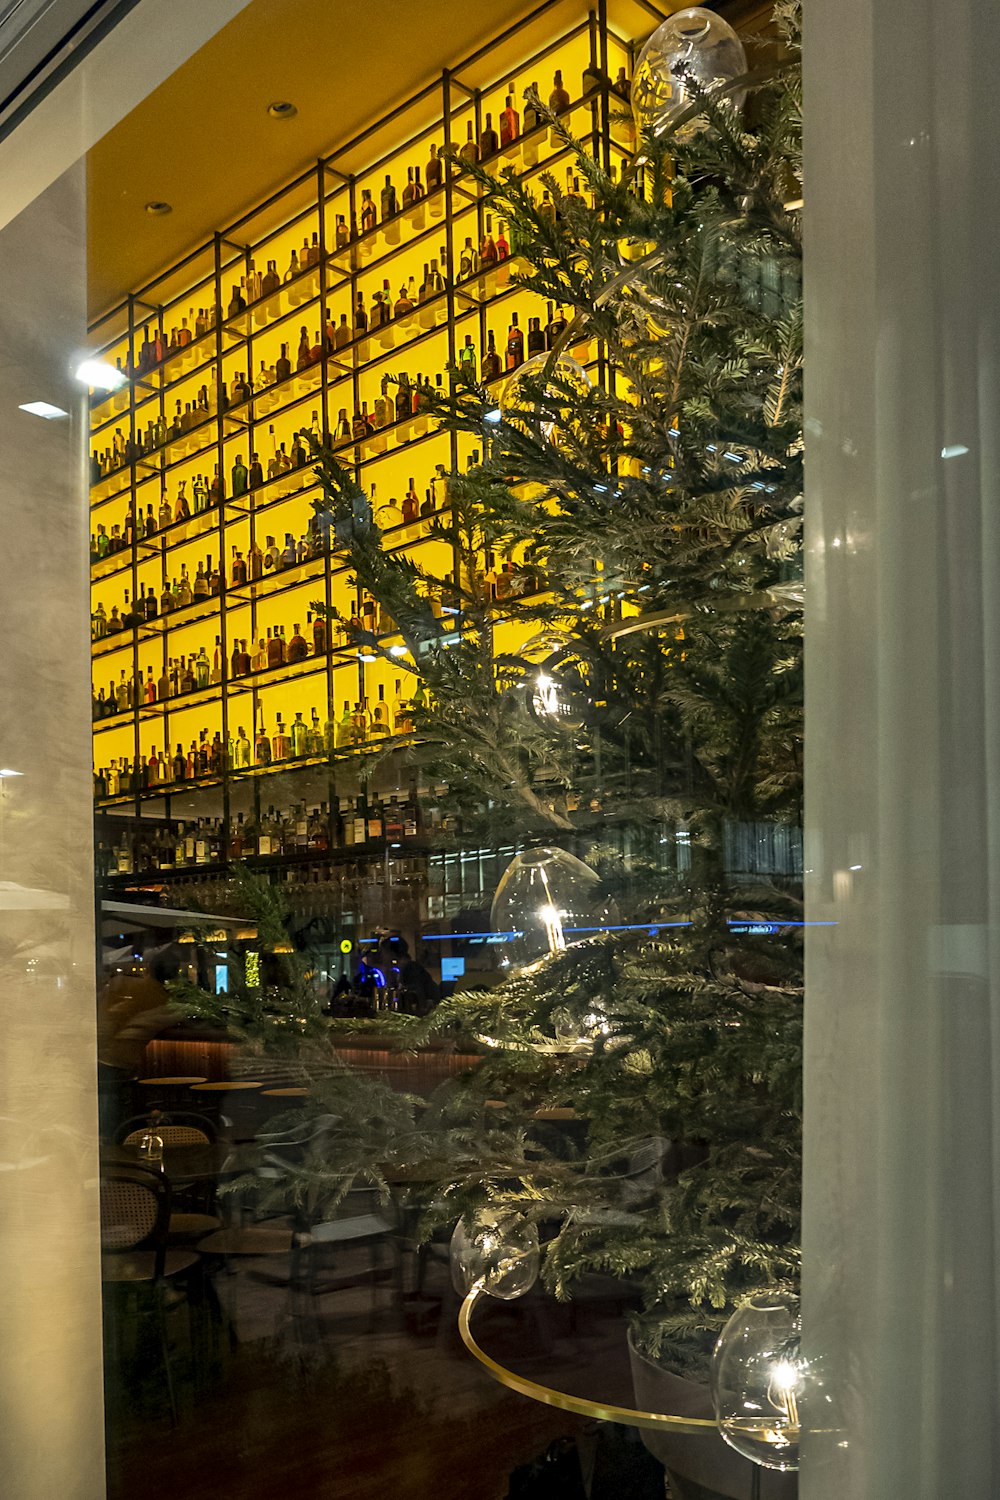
{"points": [[318, 1395]]}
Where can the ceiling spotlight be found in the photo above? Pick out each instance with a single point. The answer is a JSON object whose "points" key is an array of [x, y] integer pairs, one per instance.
{"points": [[42, 409], [99, 375], [282, 109], [156, 206], [6, 771]]}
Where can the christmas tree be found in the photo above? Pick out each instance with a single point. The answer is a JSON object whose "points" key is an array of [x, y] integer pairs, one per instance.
{"points": [[628, 684]]}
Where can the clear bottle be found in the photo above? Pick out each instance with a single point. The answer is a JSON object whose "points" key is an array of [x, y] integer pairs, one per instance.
{"points": [[151, 1141]]}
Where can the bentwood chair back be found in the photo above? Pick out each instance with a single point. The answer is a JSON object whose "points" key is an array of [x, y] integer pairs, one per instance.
{"points": [[174, 1127], [135, 1217]]}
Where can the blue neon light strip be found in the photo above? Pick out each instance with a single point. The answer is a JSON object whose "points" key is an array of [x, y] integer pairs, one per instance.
{"points": [[738, 924]]}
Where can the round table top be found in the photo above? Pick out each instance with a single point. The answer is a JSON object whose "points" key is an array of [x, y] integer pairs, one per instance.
{"points": [[289, 1093], [179, 1082], [182, 1164]]}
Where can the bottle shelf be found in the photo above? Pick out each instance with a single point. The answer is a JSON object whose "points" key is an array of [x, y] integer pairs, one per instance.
{"points": [[340, 756], [425, 343]]}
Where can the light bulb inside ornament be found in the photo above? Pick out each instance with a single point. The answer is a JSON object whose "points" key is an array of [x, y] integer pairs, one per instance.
{"points": [[693, 43], [759, 1376], [558, 382], [499, 1250], [545, 901]]}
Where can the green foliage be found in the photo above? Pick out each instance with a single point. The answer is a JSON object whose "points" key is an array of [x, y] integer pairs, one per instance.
{"points": [[660, 516]]}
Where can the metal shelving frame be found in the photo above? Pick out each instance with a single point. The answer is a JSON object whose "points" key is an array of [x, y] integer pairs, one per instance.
{"points": [[463, 308]]}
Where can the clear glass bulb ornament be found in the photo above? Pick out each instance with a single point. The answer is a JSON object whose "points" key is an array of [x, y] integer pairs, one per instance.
{"points": [[502, 1251], [759, 1377], [562, 381], [547, 899], [694, 43]]}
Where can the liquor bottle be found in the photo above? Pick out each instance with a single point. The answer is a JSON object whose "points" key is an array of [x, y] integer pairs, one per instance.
{"points": [[468, 261], [489, 141], [536, 338], [361, 820], [509, 123], [491, 359], [488, 249], [262, 744], [313, 256], [411, 504], [255, 473], [367, 211], [319, 835], [467, 358], [184, 594], [360, 316], [342, 333], [515, 344], [299, 735], [469, 151], [282, 365], [298, 650], [558, 99], [200, 590], [272, 555], [376, 820], [547, 210], [404, 304], [388, 203], [271, 281], [237, 304], [304, 356], [240, 477], [380, 726], [433, 170], [239, 570], [316, 631], [345, 728], [273, 649], [401, 722], [555, 327], [280, 743], [290, 552], [404, 398], [503, 247], [243, 663], [410, 193], [254, 564], [341, 233], [384, 411]]}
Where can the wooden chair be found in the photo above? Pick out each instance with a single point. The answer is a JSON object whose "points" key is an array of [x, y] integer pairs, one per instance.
{"points": [[194, 1217]]}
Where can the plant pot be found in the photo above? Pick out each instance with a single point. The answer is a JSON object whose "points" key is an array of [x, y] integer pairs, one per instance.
{"points": [[700, 1468]]}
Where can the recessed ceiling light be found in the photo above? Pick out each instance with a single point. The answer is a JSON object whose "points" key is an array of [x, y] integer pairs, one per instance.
{"points": [[43, 409], [157, 206], [281, 109]]}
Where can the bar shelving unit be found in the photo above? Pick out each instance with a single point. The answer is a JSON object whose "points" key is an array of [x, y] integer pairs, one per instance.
{"points": [[589, 46]]}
